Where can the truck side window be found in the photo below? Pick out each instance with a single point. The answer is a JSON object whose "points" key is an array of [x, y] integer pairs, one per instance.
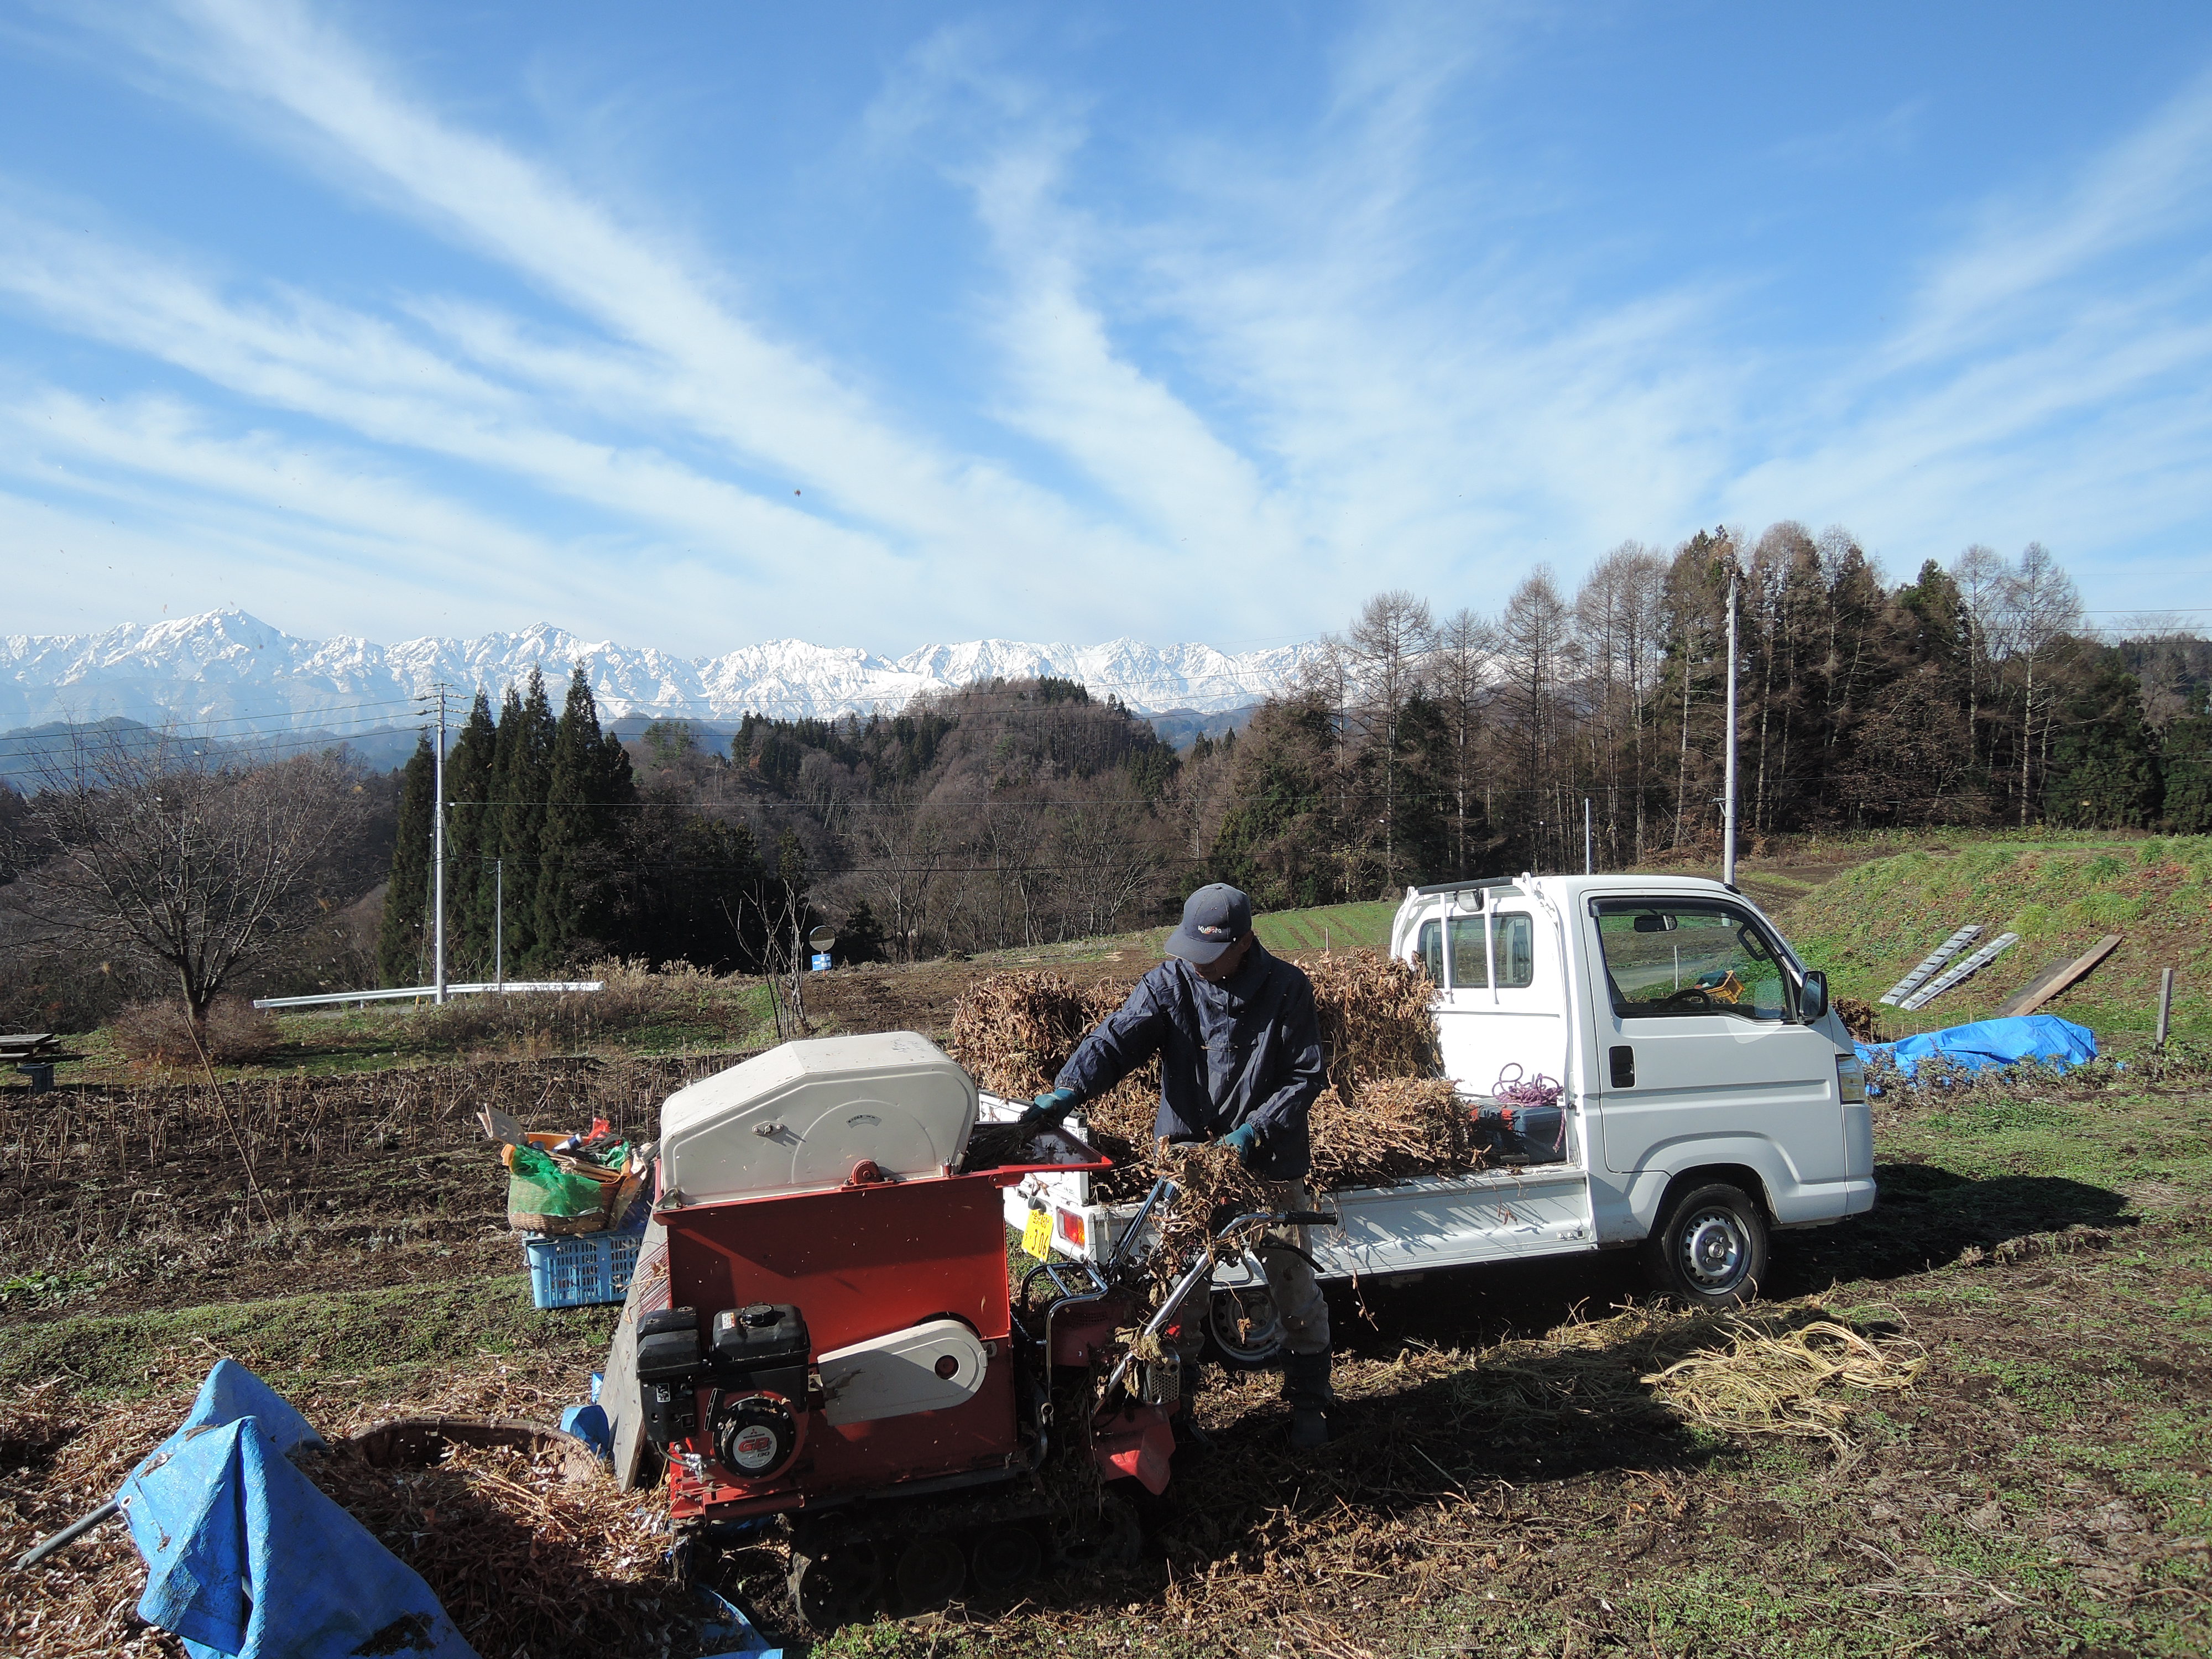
{"points": [[1685, 957], [1470, 967], [1516, 949], [1432, 951]]}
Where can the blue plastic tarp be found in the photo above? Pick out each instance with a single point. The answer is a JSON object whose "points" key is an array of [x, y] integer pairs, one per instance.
{"points": [[1976, 1047], [247, 1559], [730, 1624]]}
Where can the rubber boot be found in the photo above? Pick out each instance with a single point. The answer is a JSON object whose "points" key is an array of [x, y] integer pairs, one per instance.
{"points": [[1193, 1445], [1306, 1386]]}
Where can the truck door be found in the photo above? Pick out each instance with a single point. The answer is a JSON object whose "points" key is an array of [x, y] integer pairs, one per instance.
{"points": [[1699, 1038]]}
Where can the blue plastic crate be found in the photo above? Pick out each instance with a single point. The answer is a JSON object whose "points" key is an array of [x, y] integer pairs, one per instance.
{"points": [[580, 1269]]}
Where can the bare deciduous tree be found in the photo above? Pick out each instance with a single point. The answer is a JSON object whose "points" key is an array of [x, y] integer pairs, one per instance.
{"points": [[1535, 655], [1459, 674], [197, 869], [1385, 654], [1978, 574], [1616, 614], [2041, 607]]}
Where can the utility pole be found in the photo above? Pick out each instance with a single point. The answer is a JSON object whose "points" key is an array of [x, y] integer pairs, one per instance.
{"points": [[438, 856], [499, 922], [1590, 846], [1728, 805]]}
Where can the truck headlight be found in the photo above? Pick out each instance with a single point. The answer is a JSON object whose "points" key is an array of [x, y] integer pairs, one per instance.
{"points": [[1851, 1079]]}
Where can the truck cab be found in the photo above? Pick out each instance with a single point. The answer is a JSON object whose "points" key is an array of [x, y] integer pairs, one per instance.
{"points": [[1693, 1049]]}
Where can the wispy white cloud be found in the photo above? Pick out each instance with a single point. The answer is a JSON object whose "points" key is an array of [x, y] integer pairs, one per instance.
{"points": [[775, 405], [2046, 379], [1262, 372], [2143, 188], [298, 353]]}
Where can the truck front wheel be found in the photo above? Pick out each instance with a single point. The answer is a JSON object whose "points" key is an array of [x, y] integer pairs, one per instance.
{"points": [[1711, 1251]]}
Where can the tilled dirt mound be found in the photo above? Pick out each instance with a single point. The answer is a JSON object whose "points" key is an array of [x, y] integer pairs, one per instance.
{"points": [[113, 1199]]}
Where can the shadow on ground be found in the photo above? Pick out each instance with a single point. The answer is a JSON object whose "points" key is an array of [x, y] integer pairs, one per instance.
{"points": [[1928, 1217], [1410, 1437]]}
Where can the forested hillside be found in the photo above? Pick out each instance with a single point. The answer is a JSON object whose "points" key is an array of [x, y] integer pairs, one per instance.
{"points": [[1972, 694], [1000, 812], [1420, 748], [1414, 746]]}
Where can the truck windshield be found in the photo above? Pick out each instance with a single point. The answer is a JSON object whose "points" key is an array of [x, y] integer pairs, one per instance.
{"points": [[1681, 956]]}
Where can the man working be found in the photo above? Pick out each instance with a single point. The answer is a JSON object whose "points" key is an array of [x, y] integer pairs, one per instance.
{"points": [[1240, 1064]]}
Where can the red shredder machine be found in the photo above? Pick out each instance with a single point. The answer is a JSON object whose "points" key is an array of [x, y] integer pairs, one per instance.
{"points": [[821, 1327]]}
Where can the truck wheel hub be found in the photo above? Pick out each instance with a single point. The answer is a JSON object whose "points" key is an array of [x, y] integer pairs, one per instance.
{"points": [[1712, 1247]]}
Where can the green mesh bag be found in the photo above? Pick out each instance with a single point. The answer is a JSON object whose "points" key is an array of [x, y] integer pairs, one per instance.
{"points": [[542, 1197]]}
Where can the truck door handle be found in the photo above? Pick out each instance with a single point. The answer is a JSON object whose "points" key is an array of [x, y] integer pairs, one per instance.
{"points": [[1623, 1062]]}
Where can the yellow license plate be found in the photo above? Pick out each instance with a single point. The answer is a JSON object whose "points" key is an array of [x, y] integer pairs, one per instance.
{"points": [[1036, 1234]]}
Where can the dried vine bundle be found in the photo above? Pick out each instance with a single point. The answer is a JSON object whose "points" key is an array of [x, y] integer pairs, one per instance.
{"points": [[1385, 1116]]}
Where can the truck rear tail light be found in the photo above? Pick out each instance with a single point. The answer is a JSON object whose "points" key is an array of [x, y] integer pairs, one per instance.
{"points": [[1851, 1079], [1070, 1228]]}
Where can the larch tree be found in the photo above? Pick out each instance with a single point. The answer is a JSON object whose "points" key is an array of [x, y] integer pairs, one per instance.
{"points": [[1386, 654], [1460, 672], [2041, 608]]}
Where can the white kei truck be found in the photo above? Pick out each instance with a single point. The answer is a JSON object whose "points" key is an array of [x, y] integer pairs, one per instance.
{"points": [[1709, 1094]]}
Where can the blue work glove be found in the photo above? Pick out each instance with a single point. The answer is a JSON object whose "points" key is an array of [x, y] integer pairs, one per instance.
{"points": [[1050, 1108], [1243, 1140]]}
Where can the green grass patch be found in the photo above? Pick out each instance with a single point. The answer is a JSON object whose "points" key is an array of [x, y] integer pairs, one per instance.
{"points": [[378, 1335], [2060, 894], [1338, 926]]}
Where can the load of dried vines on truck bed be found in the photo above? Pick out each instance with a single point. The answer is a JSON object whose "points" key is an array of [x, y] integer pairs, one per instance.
{"points": [[1385, 1114]]}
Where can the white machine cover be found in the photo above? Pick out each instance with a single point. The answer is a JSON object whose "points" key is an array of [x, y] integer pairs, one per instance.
{"points": [[931, 1367], [799, 1117]]}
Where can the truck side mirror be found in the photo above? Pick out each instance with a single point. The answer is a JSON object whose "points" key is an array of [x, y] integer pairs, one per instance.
{"points": [[1813, 999]]}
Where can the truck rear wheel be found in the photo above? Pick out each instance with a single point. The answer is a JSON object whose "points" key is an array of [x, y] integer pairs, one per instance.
{"points": [[1242, 1332], [1711, 1249]]}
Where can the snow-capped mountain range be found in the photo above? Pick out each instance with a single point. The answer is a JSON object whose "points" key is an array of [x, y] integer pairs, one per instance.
{"points": [[226, 668]]}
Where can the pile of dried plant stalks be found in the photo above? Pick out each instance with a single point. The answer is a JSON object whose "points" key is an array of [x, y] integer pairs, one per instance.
{"points": [[1385, 1116], [1761, 1382], [524, 1562]]}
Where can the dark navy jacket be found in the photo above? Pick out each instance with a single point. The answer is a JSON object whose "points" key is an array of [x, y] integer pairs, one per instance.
{"points": [[1245, 1050]]}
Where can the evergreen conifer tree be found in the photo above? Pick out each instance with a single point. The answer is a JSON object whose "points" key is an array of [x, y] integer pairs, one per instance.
{"points": [[861, 938], [2187, 744], [468, 790], [497, 890], [2103, 768], [589, 785], [704, 906], [407, 900], [524, 789]]}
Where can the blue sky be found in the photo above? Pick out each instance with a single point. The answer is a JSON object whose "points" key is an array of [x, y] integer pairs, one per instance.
{"points": [[693, 326]]}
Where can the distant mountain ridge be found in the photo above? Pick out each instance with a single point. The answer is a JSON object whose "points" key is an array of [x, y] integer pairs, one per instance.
{"points": [[227, 668]]}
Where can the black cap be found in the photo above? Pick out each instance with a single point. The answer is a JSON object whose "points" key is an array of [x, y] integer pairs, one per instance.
{"points": [[1215, 918]]}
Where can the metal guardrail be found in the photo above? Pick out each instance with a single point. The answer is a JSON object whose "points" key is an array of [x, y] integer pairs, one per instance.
{"points": [[496, 988]]}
